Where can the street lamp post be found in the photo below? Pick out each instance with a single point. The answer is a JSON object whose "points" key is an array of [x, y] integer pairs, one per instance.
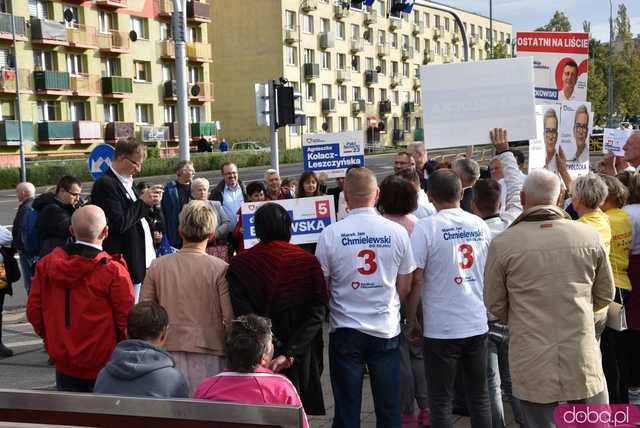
{"points": [[179, 35], [491, 28], [610, 70], [23, 163]]}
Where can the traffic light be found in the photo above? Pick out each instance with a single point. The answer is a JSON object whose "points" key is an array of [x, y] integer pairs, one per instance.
{"points": [[289, 102], [263, 104]]}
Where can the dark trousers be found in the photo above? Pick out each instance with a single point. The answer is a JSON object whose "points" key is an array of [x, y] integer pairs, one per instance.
{"points": [[443, 358], [68, 383], [349, 351]]}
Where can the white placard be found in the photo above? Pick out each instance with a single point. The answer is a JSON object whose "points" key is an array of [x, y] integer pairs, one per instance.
{"points": [[576, 122], [547, 128], [332, 153], [613, 140], [462, 102]]}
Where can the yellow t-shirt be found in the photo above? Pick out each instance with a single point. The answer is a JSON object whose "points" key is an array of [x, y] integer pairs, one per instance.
{"points": [[600, 222], [621, 238]]}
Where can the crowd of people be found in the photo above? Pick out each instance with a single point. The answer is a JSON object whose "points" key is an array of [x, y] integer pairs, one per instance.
{"points": [[454, 289]]}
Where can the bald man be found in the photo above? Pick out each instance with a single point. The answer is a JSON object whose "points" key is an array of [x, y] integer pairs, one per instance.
{"points": [[79, 302], [25, 192], [632, 150], [368, 264]]}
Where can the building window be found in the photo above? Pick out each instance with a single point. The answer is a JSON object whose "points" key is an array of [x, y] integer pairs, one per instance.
{"points": [[144, 114], [394, 40], [111, 66], [194, 35], [75, 64], [356, 93], [416, 43], [142, 71], [75, 21], [139, 25], [165, 31], [107, 21], [438, 50], [78, 111], [427, 20], [344, 124], [169, 114], [342, 61], [405, 41], [308, 56], [329, 122], [168, 72], [38, 9], [326, 91], [447, 48], [382, 63], [355, 32], [342, 94], [48, 110], [382, 37], [368, 61], [292, 55], [394, 68], [371, 95], [196, 114], [311, 91], [357, 124], [325, 25], [326, 60], [307, 24], [473, 53], [405, 69], [383, 94], [418, 122], [355, 63], [290, 19], [44, 60], [196, 74], [340, 30], [416, 98], [446, 24], [113, 112], [396, 98], [312, 124], [480, 32], [437, 18]]}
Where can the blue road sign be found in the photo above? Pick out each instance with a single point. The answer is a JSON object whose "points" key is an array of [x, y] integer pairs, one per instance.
{"points": [[100, 160]]}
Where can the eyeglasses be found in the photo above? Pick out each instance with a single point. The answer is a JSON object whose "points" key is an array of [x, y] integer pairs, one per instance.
{"points": [[581, 126], [550, 131], [74, 194]]}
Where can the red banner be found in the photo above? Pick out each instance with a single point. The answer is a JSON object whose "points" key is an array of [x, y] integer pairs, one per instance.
{"points": [[577, 43]]}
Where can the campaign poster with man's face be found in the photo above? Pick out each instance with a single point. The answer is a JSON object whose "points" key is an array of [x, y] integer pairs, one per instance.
{"points": [[560, 63], [576, 122]]}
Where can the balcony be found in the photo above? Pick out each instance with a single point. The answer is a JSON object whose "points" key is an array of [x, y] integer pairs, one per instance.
{"points": [[357, 107], [327, 40], [396, 80], [309, 5], [82, 37], [427, 57], [167, 49], [115, 131], [311, 71], [357, 46], [199, 12], [8, 80], [474, 40], [370, 17], [55, 132], [383, 50], [343, 75], [417, 28], [46, 32], [114, 42], [328, 105], [395, 24], [416, 82], [5, 27], [437, 33], [9, 134], [199, 52], [113, 4], [84, 131], [340, 12], [455, 38], [409, 107], [164, 8], [52, 83], [418, 134], [85, 85], [370, 77], [117, 87], [291, 35], [203, 129], [384, 107], [407, 53]]}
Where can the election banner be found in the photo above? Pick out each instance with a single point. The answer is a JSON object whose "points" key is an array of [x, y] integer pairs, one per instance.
{"points": [[462, 102], [542, 150], [560, 63], [332, 153], [576, 121], [309, 217], [614, 140]]}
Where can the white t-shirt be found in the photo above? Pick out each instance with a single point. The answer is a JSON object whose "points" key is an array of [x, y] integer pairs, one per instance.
{"points": [[452, 247], [362, 255], [634, 213], [425, 207]]}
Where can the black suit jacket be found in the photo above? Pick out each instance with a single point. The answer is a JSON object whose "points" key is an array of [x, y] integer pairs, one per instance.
{"points": [[467, 196], [126, 235]]}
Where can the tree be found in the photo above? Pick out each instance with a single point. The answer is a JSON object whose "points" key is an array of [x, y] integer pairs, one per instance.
{"points": [[623, 24], [558, 22], [586, 27], [501, 51]]}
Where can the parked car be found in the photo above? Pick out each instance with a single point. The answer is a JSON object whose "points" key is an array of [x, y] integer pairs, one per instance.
{"points": [[249, 145]]}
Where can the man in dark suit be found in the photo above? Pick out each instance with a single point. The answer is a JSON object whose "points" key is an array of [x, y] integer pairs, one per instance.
{"points": [[468, 171], [129, 231]]}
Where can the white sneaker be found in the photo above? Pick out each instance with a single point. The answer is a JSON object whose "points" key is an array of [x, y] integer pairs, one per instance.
{"points": [[634, 396]]}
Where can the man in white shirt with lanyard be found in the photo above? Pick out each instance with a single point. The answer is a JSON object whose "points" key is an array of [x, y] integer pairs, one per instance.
{"points": [[368, 264], [450, 250]]}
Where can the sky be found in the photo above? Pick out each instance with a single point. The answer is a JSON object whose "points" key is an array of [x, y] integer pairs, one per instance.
{"points": [[527, 15]]}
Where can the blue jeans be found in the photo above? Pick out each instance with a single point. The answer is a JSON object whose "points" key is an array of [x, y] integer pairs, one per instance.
{"points": [[499, 376], [349, 351], [26, 266]]}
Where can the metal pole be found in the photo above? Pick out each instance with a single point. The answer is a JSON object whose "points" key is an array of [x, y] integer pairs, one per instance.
{"points": [[491, 26], [610, 70], [273, 106], [179, 29], [23, 163], [300, 66]]}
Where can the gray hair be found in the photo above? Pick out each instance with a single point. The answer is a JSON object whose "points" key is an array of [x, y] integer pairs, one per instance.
{"points": [[468, 170], [199, 182], [417, 145], [268, 173], [27, 188], [541, 187], [590, 190]]}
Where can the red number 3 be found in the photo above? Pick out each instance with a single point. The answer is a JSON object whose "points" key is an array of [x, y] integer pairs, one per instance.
{"points": [[467, 256], [370, 266]]}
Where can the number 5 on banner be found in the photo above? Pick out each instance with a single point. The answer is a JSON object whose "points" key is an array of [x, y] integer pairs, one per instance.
{"points": [[322, 209]]}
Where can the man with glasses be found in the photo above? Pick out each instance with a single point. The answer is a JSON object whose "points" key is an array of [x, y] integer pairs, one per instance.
{"points": [[231, 193], [129, 231], [54, 214], [177, 193]]}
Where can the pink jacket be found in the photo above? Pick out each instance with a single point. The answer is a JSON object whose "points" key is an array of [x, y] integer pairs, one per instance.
{"points": [[261, 387]]}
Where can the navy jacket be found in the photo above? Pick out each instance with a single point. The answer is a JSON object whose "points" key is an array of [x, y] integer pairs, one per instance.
{"points": [[171, 211]]}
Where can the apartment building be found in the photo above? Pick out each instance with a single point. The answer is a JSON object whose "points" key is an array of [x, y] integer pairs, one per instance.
{"points": [[95, 70], [351, 61]]}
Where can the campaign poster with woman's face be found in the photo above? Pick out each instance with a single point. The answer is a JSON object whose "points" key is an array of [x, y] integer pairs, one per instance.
{"points": [[543, 149], [576, 122]]}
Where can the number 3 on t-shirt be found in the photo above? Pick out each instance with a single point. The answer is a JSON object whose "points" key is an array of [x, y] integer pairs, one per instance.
{"points": [[466, 251], [369, 260]]}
